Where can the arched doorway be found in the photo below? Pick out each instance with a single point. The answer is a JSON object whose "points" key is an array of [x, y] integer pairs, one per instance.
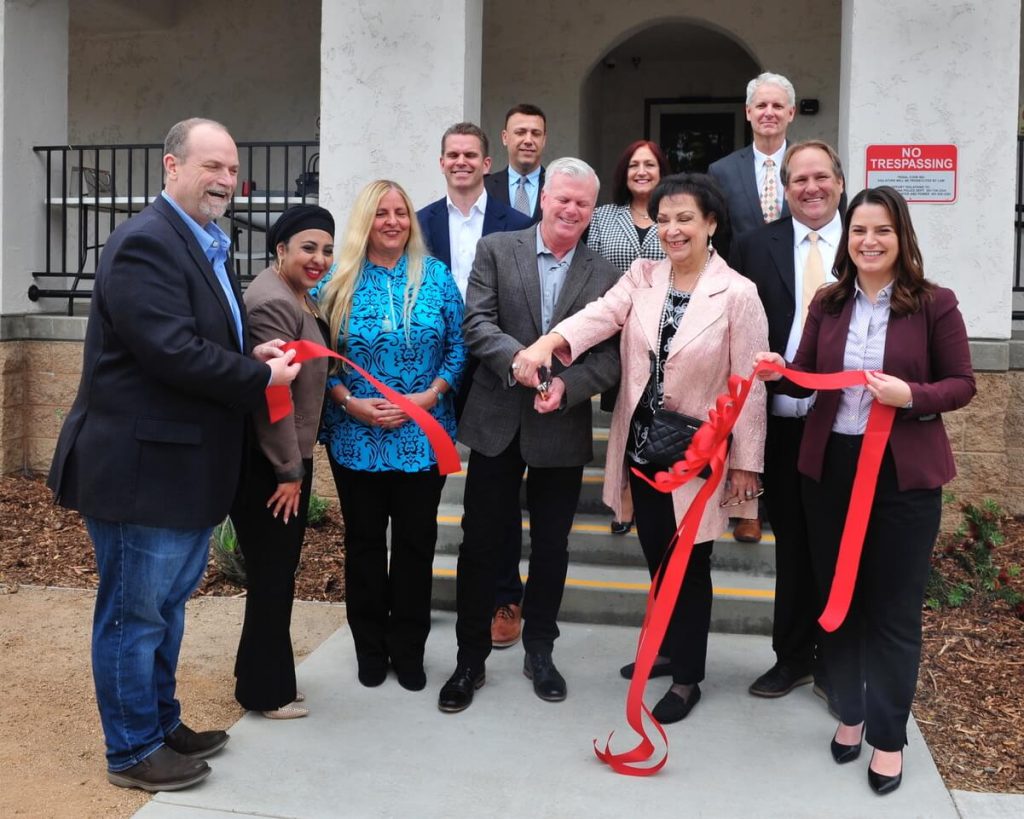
{"points": [[679, 83]]}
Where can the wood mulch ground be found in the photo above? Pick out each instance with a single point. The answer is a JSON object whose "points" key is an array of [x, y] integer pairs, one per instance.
{"points": [[969, 701]]}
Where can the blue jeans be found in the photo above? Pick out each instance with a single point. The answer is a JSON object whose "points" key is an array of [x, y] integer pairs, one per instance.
{"points": [[146, 574]]}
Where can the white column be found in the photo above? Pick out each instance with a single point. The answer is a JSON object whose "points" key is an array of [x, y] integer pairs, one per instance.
{"points": [[33, 111], [922, 72], [393, 76]]}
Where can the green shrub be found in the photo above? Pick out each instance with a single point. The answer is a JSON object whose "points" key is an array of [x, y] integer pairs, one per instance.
{"points": [[317, 513], [226, 554], [968, 565]]}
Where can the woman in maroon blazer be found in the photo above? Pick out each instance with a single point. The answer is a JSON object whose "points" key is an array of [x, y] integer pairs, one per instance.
{"points": [[882, 316]]}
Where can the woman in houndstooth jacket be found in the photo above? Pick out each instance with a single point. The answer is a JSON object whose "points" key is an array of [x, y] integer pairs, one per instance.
{"points": [[623, 232]]}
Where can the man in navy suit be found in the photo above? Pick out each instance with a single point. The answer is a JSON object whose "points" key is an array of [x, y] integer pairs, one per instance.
{"points": [[151, 451], [520, 184], [775, 257], [451, 227]]}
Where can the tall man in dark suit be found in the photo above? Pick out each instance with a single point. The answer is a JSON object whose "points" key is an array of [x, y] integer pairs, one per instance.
{"points": [[522, 284], [787, 260], [520, 184], [151, 450], [452, 226]]}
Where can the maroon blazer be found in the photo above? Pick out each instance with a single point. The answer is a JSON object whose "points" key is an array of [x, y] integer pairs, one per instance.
{"points": [[927, 349]]}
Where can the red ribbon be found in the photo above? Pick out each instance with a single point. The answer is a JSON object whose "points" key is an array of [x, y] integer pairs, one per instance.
{"points": [[709, 449], [279, 404]]}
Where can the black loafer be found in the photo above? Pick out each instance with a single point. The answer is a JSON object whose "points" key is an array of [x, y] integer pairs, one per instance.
{"points": [[163, 770], [372, 671], [779, 680], [414, 679], [845, 753], [195, 744], [657, 670], [548, 684], [457, 694], [882, 784], [621, 527], [673, 708]]}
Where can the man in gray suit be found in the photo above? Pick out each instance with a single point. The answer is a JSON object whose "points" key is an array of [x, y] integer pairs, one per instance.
{"points": [[750, 179], [522, 283]]}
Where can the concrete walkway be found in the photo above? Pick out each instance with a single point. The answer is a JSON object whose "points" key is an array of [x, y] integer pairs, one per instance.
{"points": [[386, 752]]}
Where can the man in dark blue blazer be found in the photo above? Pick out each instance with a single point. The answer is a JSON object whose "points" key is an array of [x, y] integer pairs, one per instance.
{"points": [[151, 450], [452, 226], [520, 183]]}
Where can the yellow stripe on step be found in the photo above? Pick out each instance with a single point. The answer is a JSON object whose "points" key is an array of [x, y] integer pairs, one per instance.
{"points": [[616, 585]]}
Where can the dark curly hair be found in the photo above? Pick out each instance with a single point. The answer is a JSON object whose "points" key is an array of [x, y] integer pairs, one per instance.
{"points": [[701, 187]]}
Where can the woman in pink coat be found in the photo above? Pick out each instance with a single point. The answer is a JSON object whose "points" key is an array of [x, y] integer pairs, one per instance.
{"points": [[687, 323]]}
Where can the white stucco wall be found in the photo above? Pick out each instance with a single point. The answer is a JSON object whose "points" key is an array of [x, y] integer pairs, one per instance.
{"points": [[33, 43], [936, 74], [542, 52], [255, 66], [395, 76]]}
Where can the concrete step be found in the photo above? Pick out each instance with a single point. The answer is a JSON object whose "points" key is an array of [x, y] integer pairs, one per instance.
{"points": [[590, 491], [618, 596], [590, 542]]}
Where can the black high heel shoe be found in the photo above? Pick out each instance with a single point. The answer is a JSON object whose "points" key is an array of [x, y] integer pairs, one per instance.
{"points": [[846, 753], [882, 784]]}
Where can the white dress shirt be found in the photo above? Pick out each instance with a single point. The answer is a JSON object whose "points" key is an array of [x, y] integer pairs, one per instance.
{"points": [[463, 234], [828, 243]]}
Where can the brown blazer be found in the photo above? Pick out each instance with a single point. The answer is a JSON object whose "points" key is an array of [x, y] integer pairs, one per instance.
{"points": [[927, 349], [273, 312]]}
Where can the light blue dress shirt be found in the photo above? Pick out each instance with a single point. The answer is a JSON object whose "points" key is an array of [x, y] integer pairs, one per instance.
{"points": [[552, 273], [215, 245], [532, 186], [865, 350]]}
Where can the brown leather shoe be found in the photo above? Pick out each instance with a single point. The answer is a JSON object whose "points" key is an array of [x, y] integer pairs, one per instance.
{"points": [[507, 625], [748, 530]]}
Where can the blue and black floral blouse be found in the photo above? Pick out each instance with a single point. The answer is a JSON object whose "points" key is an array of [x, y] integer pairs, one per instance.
{"points": [[377, 342]]}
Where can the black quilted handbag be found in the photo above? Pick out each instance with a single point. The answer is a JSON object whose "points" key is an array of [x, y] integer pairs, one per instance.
{"points": [[668, 437]]}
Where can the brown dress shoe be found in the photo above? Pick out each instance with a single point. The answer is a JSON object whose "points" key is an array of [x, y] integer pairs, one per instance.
{"points": [[507, 625], [748, 530], [163, 770]]}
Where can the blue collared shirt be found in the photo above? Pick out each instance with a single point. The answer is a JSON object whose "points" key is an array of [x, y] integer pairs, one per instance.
{"points": [[215, 245], [552, 272], [532, 186], [865, 350]]}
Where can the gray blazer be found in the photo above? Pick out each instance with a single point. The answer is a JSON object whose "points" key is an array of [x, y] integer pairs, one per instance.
{"points": [[273, 312], [503, 315]]}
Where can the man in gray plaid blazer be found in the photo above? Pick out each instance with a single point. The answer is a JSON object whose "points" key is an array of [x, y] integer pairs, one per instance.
{"points": [[522, 283]]}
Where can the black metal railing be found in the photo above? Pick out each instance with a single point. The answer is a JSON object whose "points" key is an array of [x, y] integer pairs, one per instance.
{"points": [[91, 189]]}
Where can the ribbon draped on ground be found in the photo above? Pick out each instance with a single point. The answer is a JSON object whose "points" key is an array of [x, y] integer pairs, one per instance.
{"points": [[709, 448], [279, 404]]}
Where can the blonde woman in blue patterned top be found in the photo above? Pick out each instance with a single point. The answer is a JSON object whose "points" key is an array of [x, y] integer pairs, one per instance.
{"points": [[397, 313]]}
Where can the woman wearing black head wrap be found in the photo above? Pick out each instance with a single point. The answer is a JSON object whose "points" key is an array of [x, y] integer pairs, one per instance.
{"points": [[270, 510]]}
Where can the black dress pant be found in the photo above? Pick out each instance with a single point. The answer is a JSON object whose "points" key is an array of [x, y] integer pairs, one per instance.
{"points": [[686, 640], [873, 657], [388, 607], [796, 636], [491, 497], [265, 666], [508, 533]]}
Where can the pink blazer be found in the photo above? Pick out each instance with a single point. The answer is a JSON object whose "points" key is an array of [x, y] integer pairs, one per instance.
{"points": [[724, 326]]}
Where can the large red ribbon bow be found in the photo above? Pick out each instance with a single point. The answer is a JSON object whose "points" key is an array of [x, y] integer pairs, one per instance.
{"points": [[279, 404], [709, 448]]}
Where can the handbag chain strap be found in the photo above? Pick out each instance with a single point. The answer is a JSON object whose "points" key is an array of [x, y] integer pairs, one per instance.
{"points": [[664, 319]]}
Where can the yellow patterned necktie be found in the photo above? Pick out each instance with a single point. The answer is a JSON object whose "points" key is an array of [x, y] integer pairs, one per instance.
{"points": [[814, 272], [769, 196]]}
